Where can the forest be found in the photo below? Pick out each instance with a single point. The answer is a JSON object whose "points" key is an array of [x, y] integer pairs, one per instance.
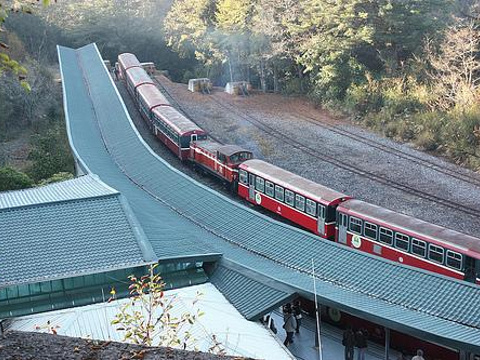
{"points": [[409, 69]]}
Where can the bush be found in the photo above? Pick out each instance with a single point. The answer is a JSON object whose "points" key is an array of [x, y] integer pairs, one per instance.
{"points": [[11, 179]]}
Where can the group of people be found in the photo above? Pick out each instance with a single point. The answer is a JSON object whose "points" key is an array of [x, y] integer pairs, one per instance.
{"points": [[355, 339], [358, 339], [292, 320]]}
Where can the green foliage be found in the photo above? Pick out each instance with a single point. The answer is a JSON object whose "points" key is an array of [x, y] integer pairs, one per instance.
{"points": [[147, 318], [11, 179], [8, 64], [61, 176], [50, 153]]}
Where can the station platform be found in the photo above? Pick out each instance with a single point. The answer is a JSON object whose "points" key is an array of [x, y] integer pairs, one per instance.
{"points": [[303, 347]]}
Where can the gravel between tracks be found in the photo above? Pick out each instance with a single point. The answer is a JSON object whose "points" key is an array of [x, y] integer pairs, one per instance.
{"points": [[226, 118]]}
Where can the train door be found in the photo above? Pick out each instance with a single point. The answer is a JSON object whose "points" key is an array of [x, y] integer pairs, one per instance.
{"points": [[251, 187], [470, 270], [342, 223], [321, 219]]}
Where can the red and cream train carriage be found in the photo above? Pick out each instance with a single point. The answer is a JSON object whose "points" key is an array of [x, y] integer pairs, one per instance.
{"points": [[149, 97], [220, 160], [302, 201], [136, 78], [175, 130], [125, 62], [408, 240]]}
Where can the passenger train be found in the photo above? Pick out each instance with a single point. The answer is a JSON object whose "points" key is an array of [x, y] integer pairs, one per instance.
{"points": [[323, 211]]}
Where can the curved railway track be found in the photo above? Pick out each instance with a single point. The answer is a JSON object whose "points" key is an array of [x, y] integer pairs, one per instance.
{"points": [[271, 131], [470, 179]]}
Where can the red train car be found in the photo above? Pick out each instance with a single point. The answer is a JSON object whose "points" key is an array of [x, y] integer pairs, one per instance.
{"points": [[136, 77], [408, 240], [150, 97], [302, 201], [175, 130], [220, 160], [125, 62]]}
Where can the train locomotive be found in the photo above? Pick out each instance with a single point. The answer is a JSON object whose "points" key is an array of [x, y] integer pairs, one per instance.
{"points": [[319, 209]]}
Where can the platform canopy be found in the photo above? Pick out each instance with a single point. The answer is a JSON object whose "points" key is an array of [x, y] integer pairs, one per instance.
{"points": [[180, 217]]}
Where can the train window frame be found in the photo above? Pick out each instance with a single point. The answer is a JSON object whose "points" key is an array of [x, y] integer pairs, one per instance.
{"points": [[311, 207], [432, 248], [371, 226], [289, 197], [269, 188], [448, 256], [299, 202], [398, 238], [279, 193], [384, 231], [417, 243], [322, 211], [243, 176], [260, 184], [359, 223]]}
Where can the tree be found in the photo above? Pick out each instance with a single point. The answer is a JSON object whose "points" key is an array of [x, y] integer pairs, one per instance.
{"points": [[6, 63], [50, 154], [11, 179], [147, 319], [455, 67]]}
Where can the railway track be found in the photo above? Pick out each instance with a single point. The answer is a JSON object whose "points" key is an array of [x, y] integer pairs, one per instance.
{"points": [[470, 179], [271, 131]]}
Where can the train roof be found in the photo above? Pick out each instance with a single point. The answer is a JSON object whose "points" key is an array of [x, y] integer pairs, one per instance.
{"points": [[213, 146], [138, 76], [152, 96], [293, 181], [176, 120], [413, 226], [128, 60]]}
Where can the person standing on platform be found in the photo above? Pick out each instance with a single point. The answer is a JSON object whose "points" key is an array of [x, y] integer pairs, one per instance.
{"points": [[361, 343], [297, 312], [290, 325], [419, 355], [349, 342]]}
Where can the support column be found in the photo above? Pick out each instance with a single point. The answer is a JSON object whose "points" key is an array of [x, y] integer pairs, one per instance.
{"points": [[387, 343]]}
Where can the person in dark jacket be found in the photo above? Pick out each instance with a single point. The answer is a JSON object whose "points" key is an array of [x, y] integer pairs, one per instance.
{"points": [[361, 343], [290, 325], [297, 312], [349, 342]]}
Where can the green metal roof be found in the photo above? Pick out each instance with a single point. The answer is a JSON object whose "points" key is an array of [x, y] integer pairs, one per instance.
{"points": [[181, 217], [67, 229], [251, 297]]}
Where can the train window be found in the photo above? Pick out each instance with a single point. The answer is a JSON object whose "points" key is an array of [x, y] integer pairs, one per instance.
{"points": [[454, 260], [300, 202], [419, 247], [260, 184], [251, 179], [279, 193], [386, 236], [356, 225], [311, 207], [289, 197], [222, 158], [402, 241], [370, 230], [435, 253], [269, 188], [321, 211], [243, 177]]}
